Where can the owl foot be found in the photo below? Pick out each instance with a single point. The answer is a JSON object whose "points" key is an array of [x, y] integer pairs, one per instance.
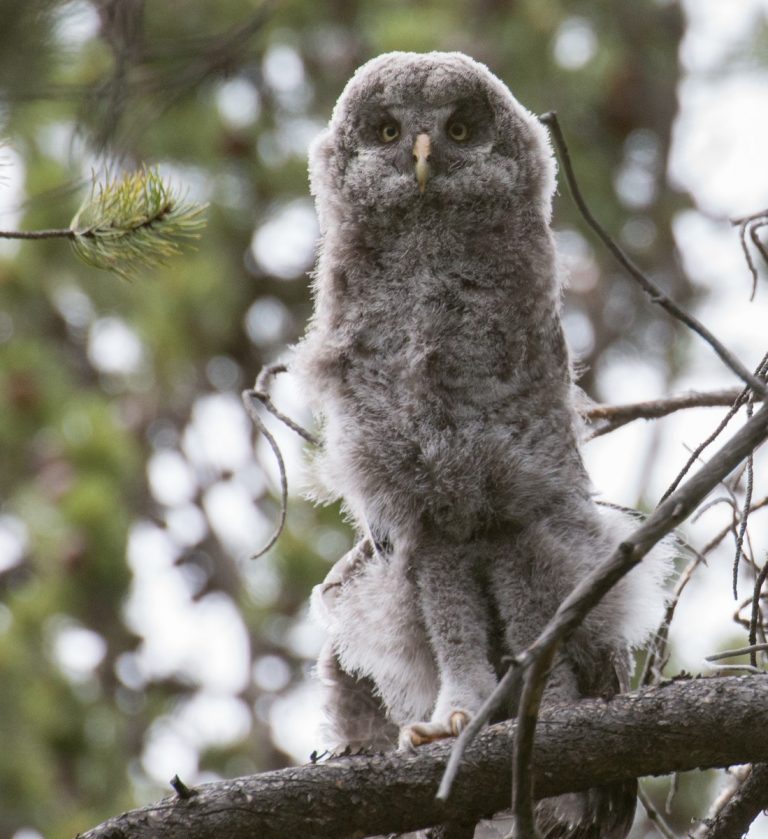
{"points": [[419, 733]]}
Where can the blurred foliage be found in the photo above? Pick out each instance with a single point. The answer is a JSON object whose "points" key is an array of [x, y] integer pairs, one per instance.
{"points": [[99, 380]]}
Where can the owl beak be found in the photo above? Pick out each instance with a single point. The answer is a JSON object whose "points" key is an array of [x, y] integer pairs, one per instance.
{"points": [[421, 153]]}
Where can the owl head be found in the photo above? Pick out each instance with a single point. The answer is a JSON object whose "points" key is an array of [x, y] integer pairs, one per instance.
{"points": [[432, 131]]}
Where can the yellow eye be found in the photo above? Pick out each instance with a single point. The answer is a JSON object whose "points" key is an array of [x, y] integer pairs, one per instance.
{"points": [[458, 131], [389, 132]]}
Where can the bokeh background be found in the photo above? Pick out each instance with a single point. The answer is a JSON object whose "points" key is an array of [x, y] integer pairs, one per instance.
{"points": [[137, 638]]}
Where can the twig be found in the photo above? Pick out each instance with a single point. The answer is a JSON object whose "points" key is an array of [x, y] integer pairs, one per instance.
{"points": [[750, 472], [654, 815], [250, 400], [751, 224], [654, 292], [261, 392], [752, 648], [616, 416], [703, 445], [658, 648], [55, 233], [507, 687], [182, 790], [522, 780], [756, 611], [744, 668]]}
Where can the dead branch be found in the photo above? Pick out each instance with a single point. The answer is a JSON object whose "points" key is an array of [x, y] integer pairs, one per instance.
{"points": [[676, 726], [654, 292], [615, 416]]}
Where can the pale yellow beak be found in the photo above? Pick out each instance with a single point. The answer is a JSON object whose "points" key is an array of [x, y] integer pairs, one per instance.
{"points": [[421, 151]]}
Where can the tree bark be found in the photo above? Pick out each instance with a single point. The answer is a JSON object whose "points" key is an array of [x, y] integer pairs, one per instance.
{"points": [[675, 726]]}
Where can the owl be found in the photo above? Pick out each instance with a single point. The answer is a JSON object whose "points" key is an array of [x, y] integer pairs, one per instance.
{"points": [[437, 367]]}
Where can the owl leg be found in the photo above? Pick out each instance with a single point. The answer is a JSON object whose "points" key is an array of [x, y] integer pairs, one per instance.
{"points": [[531, 576], [455, 615]]}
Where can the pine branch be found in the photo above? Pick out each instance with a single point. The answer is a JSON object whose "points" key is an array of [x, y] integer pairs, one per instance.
{"points": [[132, 223], [127, 224]]}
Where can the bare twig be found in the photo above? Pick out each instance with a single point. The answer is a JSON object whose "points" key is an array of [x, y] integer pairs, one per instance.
{"points": [[615, 416], [507, 687], [55, 233], [753, 648], [654, 292], [261, 392], [250, 400], [750, 476], [655, 658], [750, 225], [655, 816], [759, 582]]}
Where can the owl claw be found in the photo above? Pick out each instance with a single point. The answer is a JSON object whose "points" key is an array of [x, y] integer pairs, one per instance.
{"points": [[419, 733]]}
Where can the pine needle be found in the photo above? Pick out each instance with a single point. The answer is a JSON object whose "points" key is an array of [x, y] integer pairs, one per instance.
{"points": [[133, 222]]}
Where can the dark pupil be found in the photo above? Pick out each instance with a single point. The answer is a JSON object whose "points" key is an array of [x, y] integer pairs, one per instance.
{"points": [[390, 132]]}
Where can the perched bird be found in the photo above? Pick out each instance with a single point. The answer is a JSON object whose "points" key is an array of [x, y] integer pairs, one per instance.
{"points": [[436, 364]]}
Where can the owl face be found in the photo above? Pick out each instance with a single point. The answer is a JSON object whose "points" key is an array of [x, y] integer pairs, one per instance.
{"points": [[424, 132]]}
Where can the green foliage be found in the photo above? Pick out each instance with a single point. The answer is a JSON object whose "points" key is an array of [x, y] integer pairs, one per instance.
{"points": [[134, 222]]}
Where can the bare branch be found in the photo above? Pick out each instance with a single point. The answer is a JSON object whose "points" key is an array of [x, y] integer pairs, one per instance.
{"points": [[676, 726], [753, 648], [759, 582], [250, 399], [750, 225], [655, 816], [653, 291], [615, 416], [56, 233]]}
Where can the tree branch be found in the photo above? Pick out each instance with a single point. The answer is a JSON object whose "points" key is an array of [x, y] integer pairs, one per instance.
{"points": [[676, 726], [742, 808], [614, 416], [653, 291]]}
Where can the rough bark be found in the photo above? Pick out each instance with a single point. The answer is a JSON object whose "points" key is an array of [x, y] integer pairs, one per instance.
{"points": [[676, 726]]}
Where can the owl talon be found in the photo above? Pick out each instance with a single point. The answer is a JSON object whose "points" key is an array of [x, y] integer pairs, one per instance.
{"points": [[420, 733]]}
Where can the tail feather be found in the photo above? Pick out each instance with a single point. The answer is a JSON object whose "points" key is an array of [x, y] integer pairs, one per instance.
{"points": [[605, 812]]}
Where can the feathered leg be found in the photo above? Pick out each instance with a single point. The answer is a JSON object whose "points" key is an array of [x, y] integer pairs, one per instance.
{"points": [[534, 562], [457, 624]]}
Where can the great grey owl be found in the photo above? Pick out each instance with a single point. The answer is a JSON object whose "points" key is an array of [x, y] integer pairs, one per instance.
{"points": [[436, 364]]}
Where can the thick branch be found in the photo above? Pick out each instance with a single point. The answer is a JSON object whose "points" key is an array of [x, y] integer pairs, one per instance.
{"points": [[675, 726]]}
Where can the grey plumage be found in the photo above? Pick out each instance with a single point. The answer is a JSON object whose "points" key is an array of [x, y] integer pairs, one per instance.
{"points": [[436, 363]]}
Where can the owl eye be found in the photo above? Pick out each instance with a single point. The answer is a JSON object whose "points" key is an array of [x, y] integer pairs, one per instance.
{"points": [[389, 132], [458, 131]]}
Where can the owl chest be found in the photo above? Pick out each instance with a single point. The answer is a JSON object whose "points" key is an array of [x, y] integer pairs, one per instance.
{"points": [[432, 340]]}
